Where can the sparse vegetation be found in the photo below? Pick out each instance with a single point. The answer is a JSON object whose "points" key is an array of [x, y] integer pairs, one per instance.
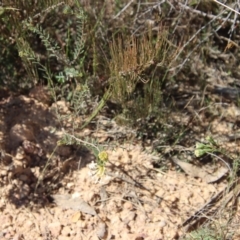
{"points": [[99, 74]]}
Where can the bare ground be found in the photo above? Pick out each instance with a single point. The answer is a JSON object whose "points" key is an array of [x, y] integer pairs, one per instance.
{"points": [[49, 193]]}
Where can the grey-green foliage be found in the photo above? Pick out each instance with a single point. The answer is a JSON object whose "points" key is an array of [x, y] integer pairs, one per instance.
{"points": [[204, 234], [29, 9], [79, 48], [209, 147], [50, 40], [89, 143], [52, 47], [28, 19]]}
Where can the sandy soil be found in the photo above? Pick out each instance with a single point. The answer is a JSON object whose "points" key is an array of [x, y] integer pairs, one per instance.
{"points": [[49, 193]]}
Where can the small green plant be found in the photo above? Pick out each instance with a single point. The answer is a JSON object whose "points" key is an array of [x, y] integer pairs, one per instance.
{"points": [[203, 234], [212, 148], [205, 148], [102, 159], [100, 154]]}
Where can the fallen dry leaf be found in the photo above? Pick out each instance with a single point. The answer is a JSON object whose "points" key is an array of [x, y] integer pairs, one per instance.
{"points": [[66, 201], [75, 217], [101, 230], [200, 172]]}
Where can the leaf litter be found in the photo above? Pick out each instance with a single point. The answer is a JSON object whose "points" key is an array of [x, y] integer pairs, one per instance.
{"points": [[67, 201], [202, 172]]}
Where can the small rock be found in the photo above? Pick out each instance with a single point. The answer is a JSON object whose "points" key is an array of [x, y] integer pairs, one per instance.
{"points": [[24, 178], [55, 229], [64, 151], [148, 208], [19, 133], [127, 216], [66, 231], [42, 94], [101, 230], [63, 238], [6, 221], [5, 158], [162, 224], [128, 205], [3, 173], [70, 184], [17, 237]]}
